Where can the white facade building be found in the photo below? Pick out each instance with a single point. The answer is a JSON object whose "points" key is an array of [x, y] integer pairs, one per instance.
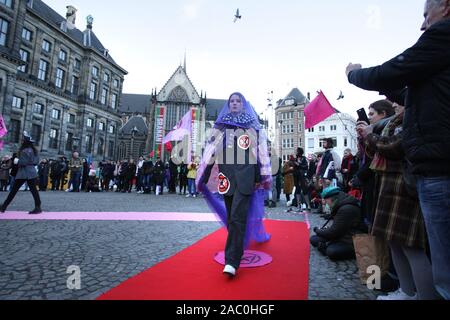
{"points": [[340, 127]]}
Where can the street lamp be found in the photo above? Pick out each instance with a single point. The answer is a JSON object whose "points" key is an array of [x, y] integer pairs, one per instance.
{"points": [[280, 125]]}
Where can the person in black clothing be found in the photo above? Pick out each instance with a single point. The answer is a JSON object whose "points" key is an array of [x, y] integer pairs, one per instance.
{"points": [[108, 175], [130, 175], [336, 242], [158, 176], [64, 172], [85, 175], [147, 171], [173, 176], [26, 173], [349, 168], [300, 180], [183, 178], [43, 170]]}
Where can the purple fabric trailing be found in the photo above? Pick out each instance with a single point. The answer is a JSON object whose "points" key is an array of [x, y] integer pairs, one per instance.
{"points": [[247, 120]]}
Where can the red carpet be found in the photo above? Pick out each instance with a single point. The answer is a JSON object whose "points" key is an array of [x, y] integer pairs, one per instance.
{"points": [[193, 274]]}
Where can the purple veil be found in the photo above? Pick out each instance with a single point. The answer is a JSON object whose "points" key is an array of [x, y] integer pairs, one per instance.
{"points": [[247, 120]]}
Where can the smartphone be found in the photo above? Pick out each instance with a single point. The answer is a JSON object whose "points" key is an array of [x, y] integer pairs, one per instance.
{"points": [[362, 115]]}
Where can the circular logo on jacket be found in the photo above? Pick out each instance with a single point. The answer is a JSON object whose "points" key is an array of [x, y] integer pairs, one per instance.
{"points": [[244, 142], [224, 184]]}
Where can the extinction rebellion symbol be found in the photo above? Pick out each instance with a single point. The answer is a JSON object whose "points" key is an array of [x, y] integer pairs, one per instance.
{"points": [[224, 184], [250, 259], [244, 142]]}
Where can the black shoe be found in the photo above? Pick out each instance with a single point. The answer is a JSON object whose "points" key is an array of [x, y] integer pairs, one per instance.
{"points": [[2, 209], [36, 210]]}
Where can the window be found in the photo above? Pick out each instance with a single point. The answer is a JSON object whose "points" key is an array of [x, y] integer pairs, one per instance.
{"points": [[93, 91], [333, 128], [26, 34], [292, 128], [114, 101], [299, 127], [104, 96], [46, 46], [69, 141], [101, 126], [100, 147], [75, 85], [88, 141], [17, 102], [112, 129], [345, 142], [24, 56], [60, 74], [116, 83], [77, 65], [43, 68], [7, 3], [311, 143], [38, 108], [56, 114], [53, 142], [111, 149], [90, 123], [36, 131], [4, 26], [95, 71], [311, 129], [106, 77], [14, 131], [71, 118], [322, 129], [62, 55]]}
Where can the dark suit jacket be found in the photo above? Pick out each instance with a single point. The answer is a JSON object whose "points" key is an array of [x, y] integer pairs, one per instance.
{"points": [[242, 175]]}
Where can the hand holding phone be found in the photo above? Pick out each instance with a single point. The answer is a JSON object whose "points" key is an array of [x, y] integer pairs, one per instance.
{"points": [[362, 116]]}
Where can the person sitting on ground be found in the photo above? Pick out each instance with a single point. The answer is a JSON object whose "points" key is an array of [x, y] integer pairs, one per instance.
{"points": [[92, 184], [336, 242]]}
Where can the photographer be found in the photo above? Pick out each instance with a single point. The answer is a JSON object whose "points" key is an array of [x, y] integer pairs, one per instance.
{"points": [[336, 241]]}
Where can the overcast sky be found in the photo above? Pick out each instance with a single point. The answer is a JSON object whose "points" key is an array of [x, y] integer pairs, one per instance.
{"points": [[276, 46]]}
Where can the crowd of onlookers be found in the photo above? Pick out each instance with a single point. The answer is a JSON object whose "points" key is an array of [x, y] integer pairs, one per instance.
{"points": [[75, 175]]}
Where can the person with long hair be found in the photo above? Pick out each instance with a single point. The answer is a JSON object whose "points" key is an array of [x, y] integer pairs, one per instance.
{"points": [[27, 161]]}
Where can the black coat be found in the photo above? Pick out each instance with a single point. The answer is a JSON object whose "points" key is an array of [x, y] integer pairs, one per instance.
{"points": [[347, 220], [424, 70], [241, 176]]}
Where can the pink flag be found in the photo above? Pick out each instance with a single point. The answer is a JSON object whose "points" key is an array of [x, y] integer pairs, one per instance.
{"points": [[3, 130], [183, 128], [317, 111]]}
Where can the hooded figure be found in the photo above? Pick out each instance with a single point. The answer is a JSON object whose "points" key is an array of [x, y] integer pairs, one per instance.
{"points": [[234, 175], [27, 161]]}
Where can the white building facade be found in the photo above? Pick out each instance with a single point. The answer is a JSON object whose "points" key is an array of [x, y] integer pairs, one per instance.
{"points": [[340, 127]]}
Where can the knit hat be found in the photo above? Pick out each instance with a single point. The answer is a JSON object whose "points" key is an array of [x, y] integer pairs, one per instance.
{"points": [[330, 192]]}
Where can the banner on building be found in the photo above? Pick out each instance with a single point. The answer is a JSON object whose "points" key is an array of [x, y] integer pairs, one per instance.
{"points": [[195, 136], [159, 131]]}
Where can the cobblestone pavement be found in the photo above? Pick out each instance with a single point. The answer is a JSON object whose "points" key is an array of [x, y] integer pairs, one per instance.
{"points": [[35, 255]]}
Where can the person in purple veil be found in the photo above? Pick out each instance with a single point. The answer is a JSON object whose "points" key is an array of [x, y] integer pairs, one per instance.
{"points": [[234, 175]]}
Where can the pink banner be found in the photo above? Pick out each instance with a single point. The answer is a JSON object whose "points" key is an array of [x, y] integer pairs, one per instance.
{"points": [[3, 130], [317, 111]]}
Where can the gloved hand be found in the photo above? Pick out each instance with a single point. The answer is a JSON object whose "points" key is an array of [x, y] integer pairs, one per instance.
{"points": [[16, 161]]}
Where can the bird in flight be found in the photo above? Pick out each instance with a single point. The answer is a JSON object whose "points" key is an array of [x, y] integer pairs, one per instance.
{"points": [[341, 96], [237, 16]]}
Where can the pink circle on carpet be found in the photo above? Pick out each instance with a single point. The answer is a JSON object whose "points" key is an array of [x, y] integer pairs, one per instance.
{"points": [[251, 259]]}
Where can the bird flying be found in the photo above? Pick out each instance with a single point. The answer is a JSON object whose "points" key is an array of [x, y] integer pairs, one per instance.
{"points": [[341, 96], [237, 16]]}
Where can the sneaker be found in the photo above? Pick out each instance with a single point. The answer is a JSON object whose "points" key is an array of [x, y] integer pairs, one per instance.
{"points": [[229, 270], [188, 196], [194, 196], [398, 295]]}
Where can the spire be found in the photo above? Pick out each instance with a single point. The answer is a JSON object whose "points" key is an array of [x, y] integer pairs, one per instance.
{"points": [[184, 65]]}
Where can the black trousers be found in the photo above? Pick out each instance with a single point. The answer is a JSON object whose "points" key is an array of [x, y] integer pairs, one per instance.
{"points": [[335, 250], [17, 185], [237, 212]]}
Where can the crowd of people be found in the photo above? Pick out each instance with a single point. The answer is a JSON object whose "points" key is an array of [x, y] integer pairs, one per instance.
{"points": [[78, 175]]}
